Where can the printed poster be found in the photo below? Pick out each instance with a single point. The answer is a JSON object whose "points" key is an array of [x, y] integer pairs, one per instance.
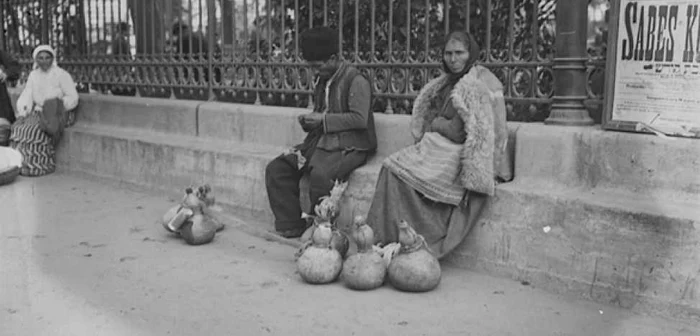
{"points": [[657, 66]]}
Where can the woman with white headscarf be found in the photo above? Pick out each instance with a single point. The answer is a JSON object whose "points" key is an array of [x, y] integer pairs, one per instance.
{"points": [[41, 113]]}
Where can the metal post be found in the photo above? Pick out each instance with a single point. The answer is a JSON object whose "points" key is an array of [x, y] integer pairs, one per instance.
{"points": [[45, 24], [3, 43], [570, 65], [211, 19]]}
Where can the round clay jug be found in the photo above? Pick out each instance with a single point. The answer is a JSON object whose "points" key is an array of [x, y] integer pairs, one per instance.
{"points": [[10, 164]]}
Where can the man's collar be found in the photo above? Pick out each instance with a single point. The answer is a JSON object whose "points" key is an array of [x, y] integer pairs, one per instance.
{"points": [[341, 67]]}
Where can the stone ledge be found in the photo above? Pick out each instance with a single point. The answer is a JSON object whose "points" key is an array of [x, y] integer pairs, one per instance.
{"points": [[589, 157], [612, 247], [203, 152], [278, 126], [621, 207], [151, 114], [622, 252], [271, 125], [552, 156], [155, 115], [170, 163]]}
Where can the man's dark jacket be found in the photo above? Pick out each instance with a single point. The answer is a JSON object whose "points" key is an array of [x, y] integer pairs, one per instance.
{"points": [[348, 122]]}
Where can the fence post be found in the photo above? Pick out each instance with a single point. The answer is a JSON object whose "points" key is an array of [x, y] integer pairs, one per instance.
{"points": [[211, 43], [45, 23], [570, 65], [3, 43]]}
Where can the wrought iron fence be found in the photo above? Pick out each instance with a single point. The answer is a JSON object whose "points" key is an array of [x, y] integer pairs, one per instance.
{"points": [[247, 51]]}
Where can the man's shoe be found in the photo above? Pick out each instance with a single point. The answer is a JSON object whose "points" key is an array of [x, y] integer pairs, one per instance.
{"points": [[291, 233]]}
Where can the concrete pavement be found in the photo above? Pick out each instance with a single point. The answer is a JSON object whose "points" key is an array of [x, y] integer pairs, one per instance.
{"points": [[80, 257]]}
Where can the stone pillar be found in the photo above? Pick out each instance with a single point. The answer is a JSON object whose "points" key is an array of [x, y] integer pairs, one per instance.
{"points": [[570, 65]]}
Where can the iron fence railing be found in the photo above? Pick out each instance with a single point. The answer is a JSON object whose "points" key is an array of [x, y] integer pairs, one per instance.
{"points": [[247, 51]]}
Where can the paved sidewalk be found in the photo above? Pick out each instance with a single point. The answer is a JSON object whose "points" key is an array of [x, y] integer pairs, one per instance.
{"points": [[79, 257]]}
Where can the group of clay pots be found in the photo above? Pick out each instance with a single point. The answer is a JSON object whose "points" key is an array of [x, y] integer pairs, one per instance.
{"points": [[409, 265], [192, 219]]}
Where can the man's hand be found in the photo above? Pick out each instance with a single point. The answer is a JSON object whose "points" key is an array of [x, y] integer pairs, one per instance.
{"points": [[3, 76], [313, 119], [310, 121], [304, 125]]}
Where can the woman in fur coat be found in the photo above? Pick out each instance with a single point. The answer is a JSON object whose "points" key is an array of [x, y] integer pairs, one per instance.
{"points": [[440, 184]]}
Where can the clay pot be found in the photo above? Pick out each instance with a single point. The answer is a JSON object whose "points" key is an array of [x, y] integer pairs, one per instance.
{"points": [[322, 235], [415, 268], [168, 217], [10, 164], [175, 218], [366, 269], [340, 242], [418, 271], [319, 265], [306, 236], [198, 230]]}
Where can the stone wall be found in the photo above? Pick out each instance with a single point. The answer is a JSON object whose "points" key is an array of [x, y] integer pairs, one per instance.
{"points": [[610, 216]]}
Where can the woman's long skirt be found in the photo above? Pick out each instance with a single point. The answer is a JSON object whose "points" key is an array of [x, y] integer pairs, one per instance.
{"points": [[35, 145], [443, 226]]}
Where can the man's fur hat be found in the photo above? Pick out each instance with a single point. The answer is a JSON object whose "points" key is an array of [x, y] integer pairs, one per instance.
{"points": [[319, 44]]}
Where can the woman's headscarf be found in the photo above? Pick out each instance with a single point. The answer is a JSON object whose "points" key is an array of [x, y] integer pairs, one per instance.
{"points": [[471, 46], [42, 48]]}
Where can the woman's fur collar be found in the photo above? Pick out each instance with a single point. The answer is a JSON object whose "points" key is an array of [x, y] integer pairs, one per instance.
{"points": [[471, 98]]}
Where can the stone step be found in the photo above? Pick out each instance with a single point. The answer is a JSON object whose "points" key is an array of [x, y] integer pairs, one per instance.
{"points": [[625, 249], [171, 163], [149, 114], [609, 216], [267, 125], [610, 245], [593, 158], [577, 157]]}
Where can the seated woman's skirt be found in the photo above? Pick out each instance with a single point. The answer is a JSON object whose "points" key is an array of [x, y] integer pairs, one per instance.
{"points": [[34, 144], [444, 226]]}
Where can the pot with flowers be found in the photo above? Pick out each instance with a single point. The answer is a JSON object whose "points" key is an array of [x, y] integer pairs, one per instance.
{"points": [[327, 211], [320, 259]]}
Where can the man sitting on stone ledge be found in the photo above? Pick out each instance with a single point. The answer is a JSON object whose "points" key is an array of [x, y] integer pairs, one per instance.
{"points": [[341, 134]]}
